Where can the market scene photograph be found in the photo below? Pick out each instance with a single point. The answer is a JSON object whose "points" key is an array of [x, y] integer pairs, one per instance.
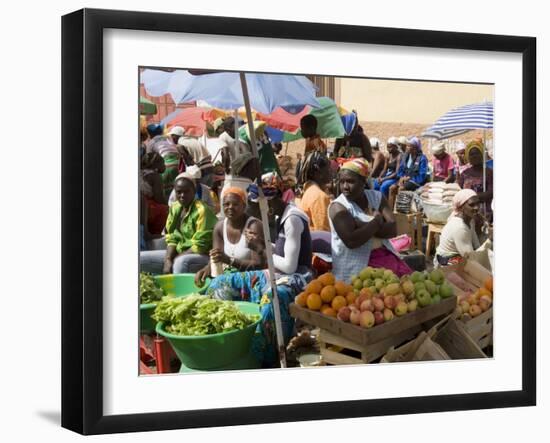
{"points": [[299, 221]]}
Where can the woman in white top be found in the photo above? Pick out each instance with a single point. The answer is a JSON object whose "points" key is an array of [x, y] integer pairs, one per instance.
{"points": [[231, 237], [459, 237]]}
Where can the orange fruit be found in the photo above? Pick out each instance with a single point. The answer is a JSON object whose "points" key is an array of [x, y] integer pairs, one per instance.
{"points": [[489, 284], [484, 291], [328, 293], [341, 288], [301, 299], [314, 287], [328, 311], [327, 279], [339, 302], [314, 302], [350, 297]]}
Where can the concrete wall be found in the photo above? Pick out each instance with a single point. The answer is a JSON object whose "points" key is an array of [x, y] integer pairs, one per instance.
{"points": [[406, 101]]}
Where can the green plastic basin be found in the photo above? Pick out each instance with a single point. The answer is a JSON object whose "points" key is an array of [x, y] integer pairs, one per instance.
{"points": [[215, 351], [177, 285]]}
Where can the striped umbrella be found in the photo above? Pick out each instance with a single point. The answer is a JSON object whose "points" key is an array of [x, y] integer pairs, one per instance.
{"points": [[461, 120]]}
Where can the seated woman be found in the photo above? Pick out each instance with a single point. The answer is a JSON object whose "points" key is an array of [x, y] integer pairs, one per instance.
{"points": [[412, 172], [459, 237], [313, 178], [188, 234], [292, 262], [232, 235], [361, 224], [388, 175], [378, 159], [472, 178], [152, 192], [204, 193], [443, 166]]}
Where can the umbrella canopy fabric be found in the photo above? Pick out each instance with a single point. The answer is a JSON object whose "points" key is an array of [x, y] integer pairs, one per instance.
{"points": [[329, 121], [223, 89], [193, 120], [147, 107], [461, 120]]}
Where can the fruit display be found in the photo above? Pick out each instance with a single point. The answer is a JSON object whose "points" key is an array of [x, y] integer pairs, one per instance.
{"points": [[471, 304], [374, 296]]}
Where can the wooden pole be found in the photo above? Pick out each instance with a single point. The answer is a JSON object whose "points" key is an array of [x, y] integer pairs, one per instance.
{"points": [[265, 223]]}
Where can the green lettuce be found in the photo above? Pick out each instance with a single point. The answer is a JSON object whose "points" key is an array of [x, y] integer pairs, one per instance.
{"points": [[199, 315], [149, 292]]}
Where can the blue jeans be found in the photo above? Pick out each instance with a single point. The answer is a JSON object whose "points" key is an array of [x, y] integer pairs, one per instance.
{"points": [[153, 262], [385, 187]]}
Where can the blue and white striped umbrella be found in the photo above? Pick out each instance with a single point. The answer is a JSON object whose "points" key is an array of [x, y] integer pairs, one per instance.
{"points": [[461, 120]]}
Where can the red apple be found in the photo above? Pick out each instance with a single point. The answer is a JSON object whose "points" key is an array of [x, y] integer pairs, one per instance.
{"points": [[362, 297], [344, 313], [389, 302], [378, 317], [485, 302], [366, 319], [378, 304], [354, 315], [388, 314], [367, 306], [474, 311]]}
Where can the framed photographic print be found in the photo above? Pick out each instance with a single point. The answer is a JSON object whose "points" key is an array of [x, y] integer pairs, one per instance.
{"points": [[252, 206]]}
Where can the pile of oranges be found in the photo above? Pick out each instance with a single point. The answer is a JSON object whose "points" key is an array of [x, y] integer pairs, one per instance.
{"points": [[326, 294]]}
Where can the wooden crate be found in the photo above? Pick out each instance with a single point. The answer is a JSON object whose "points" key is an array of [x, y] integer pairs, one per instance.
{"points": [[446, 340], [377, 333], [480, 328], [336, 350], [474, 274]]}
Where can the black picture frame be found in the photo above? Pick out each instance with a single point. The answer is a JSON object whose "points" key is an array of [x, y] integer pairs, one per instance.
{"points": [[82, 189]]}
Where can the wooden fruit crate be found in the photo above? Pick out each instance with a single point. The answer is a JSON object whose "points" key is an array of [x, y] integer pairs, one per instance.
{"points": [[446, 340], [378, 333], [480, 328], [336, 350]]}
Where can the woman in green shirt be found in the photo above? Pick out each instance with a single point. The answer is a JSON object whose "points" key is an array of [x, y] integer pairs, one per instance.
{"points": [[189, 230]]}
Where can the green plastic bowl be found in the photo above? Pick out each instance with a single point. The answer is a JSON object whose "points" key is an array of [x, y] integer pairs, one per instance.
{"points": [[215, 351], [177, 285]]}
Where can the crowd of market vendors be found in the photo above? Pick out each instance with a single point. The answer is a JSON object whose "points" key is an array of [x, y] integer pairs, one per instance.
{"points": [[202, 215]]}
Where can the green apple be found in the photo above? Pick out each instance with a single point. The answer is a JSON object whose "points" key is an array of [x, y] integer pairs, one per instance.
{"points": [[437, 276], [424, 298], [430, 287], [445, 290]]}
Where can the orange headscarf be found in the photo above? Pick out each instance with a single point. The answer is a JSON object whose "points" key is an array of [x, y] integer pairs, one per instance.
{"points": [[235, 191]]}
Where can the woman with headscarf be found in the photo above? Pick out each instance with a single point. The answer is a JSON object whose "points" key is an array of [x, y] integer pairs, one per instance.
{"points": [[292, 261], [230, 245], [443, 167], [361, 224], [188, 234], [472, 178], [313, 178], [388, 176], [459, 237], [355, 144], [204, 193], [152, 193], [460, 164]]}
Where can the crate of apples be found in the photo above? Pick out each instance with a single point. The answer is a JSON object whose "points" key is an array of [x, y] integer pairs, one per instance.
{"points": [[374, 296], [473, 304]]}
